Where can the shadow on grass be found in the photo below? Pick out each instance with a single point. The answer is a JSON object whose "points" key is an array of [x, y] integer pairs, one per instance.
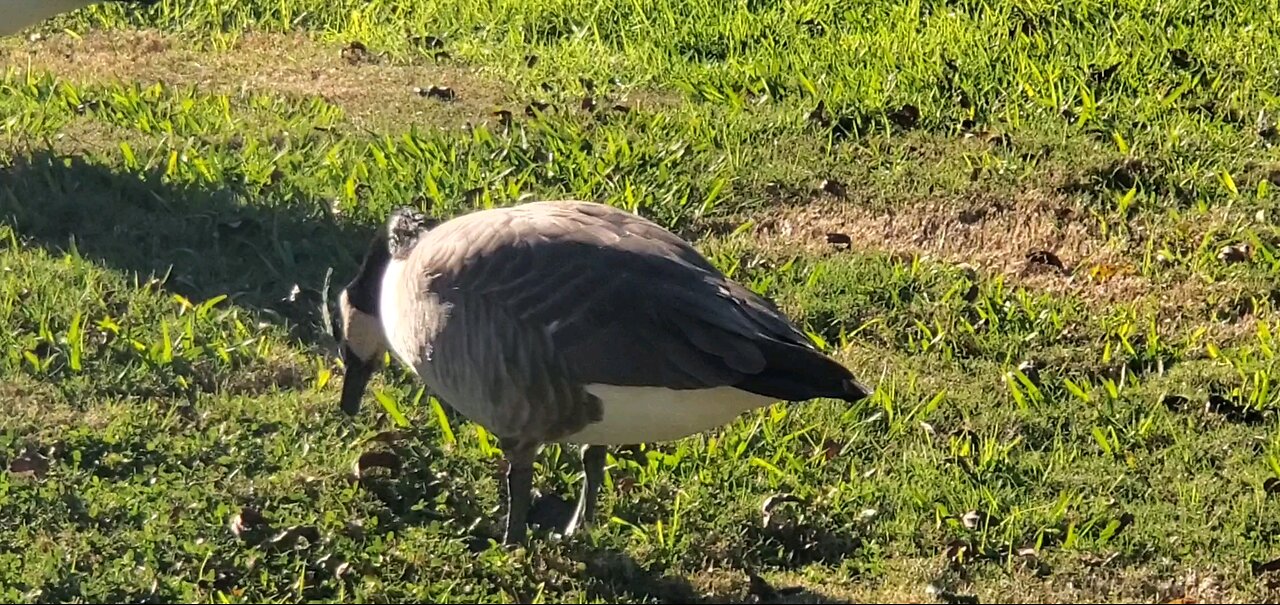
{"points": [[201, 242], [616, 577], [425, 486]]}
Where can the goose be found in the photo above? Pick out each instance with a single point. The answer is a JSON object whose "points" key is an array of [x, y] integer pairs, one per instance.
{"points": [[18, 15], [570, 322]]}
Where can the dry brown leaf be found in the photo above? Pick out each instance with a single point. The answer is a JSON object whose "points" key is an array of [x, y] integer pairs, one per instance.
{"points": [[839, 240], [247, 521], [773, 501], [1047, 258], [289, 537], [1271, 485], [30, 464], [1235, 254], [834, 187]]}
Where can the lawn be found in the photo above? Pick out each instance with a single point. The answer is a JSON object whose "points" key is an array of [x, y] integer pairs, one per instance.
{"points": [[1046, 235]]}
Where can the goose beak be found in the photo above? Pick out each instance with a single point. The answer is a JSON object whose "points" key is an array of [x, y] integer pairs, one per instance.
{"points": [[354, 381]]}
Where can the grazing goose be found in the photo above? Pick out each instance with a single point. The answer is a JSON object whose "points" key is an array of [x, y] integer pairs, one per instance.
{"points": [[17, 15], [571, 322]]}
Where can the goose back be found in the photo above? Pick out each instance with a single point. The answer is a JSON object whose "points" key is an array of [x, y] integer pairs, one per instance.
{"points": [[511, 314]]}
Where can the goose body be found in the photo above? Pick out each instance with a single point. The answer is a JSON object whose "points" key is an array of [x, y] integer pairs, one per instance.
{"points": [[572, 322], [18, 15]]}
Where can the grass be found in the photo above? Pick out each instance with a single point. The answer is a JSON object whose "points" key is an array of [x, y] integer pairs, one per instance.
{"points": [[1044, 234]]}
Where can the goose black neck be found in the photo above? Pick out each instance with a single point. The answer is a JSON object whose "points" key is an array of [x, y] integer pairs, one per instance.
{"points": [[364, 289]]}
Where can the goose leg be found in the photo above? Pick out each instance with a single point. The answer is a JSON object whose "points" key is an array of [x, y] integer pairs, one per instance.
{"points": [[519, 487], [593, 467]]}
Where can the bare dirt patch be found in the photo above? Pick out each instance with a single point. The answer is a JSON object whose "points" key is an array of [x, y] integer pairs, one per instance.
{"points": [[371, 90], [1034, 239]]}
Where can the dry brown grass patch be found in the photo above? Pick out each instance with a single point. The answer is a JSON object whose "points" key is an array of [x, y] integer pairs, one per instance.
{"points": [[1000, 236], [371, 92]]}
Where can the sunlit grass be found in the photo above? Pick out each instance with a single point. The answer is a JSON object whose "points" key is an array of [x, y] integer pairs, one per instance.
{"points": [[172, 432]]}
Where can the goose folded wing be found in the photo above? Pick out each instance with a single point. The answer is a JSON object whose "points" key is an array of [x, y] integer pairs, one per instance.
{"points": [[624, 309]]}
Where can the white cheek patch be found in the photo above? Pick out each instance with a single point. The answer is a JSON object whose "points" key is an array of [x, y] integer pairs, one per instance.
{"points": [[361, 331]]}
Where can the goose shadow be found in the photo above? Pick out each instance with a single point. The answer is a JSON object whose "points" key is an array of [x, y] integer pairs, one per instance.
{"points": [[616, 577], [421, 491], [269, 256]]}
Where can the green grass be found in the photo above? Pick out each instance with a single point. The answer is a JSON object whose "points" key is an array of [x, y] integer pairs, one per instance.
{"points": [[1107, 431]]}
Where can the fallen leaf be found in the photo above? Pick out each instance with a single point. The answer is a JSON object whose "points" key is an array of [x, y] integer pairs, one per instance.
{"points": [[831, 448], [1234, 254], [1176, 403], [247, 522], [289, 537], [1045, 257], [955, 549], [834, 187], [376, 459], [773, 501], [905, 117], [355, 52], [335, 565], [444, 93], [1027, 551], [1232, 411], [1105, 271], [30, 464], [533, 109], [839, 239], [1271, 486]]}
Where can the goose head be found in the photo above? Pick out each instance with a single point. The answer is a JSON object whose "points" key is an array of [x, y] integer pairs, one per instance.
{"points": [[362, 341]]}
